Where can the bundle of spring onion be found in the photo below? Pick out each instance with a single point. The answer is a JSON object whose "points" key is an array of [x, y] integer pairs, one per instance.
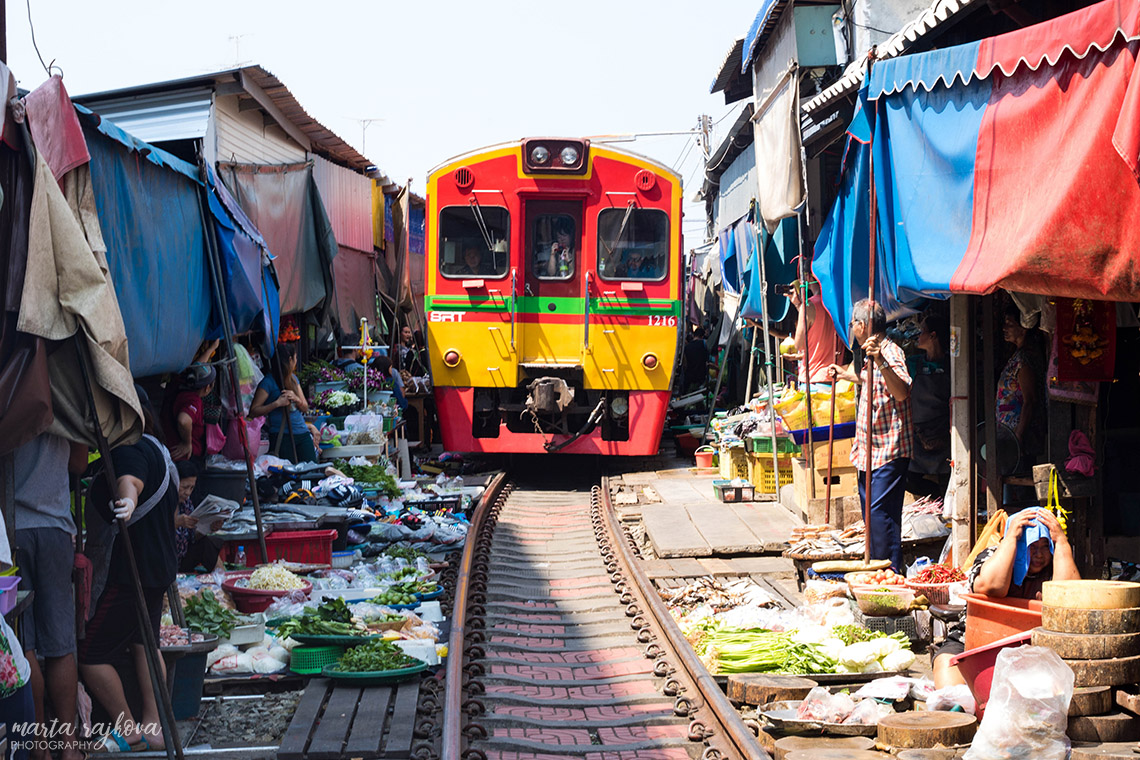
{"points": [[755, 650]]}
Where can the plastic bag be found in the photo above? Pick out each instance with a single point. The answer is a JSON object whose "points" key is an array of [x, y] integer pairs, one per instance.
{"points": [[866, 713], [815, 705], [1027, 714], [893, 688], [949, 697]]}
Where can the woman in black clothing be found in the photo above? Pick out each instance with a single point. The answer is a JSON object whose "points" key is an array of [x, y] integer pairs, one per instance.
{"points": [[146, 497]]}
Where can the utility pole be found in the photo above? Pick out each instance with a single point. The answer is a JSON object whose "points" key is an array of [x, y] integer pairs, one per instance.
{"points": [[704, 126]]}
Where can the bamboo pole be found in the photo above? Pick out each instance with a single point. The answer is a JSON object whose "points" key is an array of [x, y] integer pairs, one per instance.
{"points": [[150, 645]]}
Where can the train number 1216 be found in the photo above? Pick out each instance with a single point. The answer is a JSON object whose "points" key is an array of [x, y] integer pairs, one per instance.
{"points": [[660, 320]]}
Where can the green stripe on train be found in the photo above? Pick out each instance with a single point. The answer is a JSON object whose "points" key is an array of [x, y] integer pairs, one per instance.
{"points": [[640, 307]]}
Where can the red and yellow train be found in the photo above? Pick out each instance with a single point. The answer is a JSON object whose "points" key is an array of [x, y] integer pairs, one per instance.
{"points": [[553, 297]]}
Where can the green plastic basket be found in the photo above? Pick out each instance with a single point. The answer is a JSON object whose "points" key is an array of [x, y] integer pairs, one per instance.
{"points": [[762, 444], [309, 661]]}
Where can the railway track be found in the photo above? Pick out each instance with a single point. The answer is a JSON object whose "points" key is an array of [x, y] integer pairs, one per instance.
{"points": [[561, 647]]}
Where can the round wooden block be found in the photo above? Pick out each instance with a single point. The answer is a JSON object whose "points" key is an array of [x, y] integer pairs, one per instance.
{"points": [[1113, 751], [1088, 646], [1091, 595], [760, 689], [1091, 700], [1114, 672], [1084, 620], [922, 730], [1114, 727], [790, 744], [836, 754]]}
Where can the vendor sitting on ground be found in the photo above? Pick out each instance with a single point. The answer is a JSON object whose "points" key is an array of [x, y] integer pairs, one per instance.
{"points": [[188, 439], [194, 549], [1034, 549]]}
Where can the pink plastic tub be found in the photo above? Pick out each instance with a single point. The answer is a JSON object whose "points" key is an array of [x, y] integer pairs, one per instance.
{"points": [[989, 619], [977, 666]]}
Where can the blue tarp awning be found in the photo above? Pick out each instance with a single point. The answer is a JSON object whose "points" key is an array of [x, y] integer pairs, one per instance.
{"points": [[780, 268], [149, 212], [759, 24]]}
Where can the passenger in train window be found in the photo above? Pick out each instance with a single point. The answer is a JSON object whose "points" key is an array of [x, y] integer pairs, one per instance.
{"points": [[560, 261]]}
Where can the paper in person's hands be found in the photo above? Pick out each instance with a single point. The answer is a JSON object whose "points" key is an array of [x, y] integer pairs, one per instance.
{"points": [[212, 509]]}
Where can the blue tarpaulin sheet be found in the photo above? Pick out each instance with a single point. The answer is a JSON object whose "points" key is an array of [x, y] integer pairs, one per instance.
{"points": [[780, 268], [156, 250]]}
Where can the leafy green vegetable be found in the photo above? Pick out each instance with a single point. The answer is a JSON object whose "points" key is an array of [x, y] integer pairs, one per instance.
{"points": [[852, 634], [374, 656], [756, 650], [370, 475], [331, 618], [206, 615], [404, 552]]}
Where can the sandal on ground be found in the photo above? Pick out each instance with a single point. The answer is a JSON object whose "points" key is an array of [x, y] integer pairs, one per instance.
{"points": [[114, 742]]}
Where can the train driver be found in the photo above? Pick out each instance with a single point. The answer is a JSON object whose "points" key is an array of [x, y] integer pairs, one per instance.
{"points": [[473, 263]]}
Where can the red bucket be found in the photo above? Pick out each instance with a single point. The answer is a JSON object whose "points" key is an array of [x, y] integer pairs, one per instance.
{"points": [[704, 456], [977, 666]]}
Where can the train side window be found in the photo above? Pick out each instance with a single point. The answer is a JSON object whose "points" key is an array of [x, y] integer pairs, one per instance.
{"points": [[554, 246], [633, 244], [473, 241]]}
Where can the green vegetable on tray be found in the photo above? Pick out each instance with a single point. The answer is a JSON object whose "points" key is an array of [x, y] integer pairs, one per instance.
{"points": [[394, 597], [404, 552], [206, 615], [760, 651], [375, 656], [331, 618], [370, 475]]}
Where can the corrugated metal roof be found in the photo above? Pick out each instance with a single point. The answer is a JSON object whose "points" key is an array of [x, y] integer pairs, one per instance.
{"points": [[761, 29], [729, 67], [179, 115], [348, 199], [939, 12], [324, 142]]}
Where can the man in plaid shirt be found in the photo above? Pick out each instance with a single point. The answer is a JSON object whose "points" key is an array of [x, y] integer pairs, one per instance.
{"points": [[891, 442]]}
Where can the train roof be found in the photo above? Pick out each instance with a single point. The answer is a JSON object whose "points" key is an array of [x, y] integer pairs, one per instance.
{"points": [[661, 168]]}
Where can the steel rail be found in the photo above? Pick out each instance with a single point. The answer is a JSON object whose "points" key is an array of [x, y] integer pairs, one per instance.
{"points": [[725, 733], [452, 740]]}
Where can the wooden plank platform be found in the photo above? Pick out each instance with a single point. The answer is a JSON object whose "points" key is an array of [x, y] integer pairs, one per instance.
{"points": [[334, 721], [711, 529]]}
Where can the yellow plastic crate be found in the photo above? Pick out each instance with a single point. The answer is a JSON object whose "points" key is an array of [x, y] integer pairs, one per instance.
{"points": [[760, 472], [734, 463]]}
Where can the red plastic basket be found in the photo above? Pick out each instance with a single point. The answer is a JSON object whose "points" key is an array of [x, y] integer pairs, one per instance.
{"points": [[310, 547]]}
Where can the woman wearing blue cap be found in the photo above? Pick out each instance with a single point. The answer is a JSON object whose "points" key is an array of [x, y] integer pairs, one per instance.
{"points": [[1033, 549]]}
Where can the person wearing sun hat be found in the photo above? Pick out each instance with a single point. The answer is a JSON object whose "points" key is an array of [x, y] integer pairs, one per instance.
{"points": [[1033, 549]]}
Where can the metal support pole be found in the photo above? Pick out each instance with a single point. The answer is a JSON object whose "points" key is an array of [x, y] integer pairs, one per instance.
{"points": [[228, 331], [869, 380], [765, 321]]}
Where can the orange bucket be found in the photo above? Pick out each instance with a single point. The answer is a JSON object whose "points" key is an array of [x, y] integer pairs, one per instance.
{"points": [[704, 456]]}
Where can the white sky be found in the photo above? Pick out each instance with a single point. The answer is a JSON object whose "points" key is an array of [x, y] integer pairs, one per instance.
{"points": [[440, 77]]}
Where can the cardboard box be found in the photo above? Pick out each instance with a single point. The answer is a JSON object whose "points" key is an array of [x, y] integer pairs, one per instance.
{"points": [[844, 482], [840, 455]]}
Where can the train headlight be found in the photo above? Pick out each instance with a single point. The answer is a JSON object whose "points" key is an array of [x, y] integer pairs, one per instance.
{"points": [[649, 361], [569, 156], [539, 155], [619, 406], [451, 358]]}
